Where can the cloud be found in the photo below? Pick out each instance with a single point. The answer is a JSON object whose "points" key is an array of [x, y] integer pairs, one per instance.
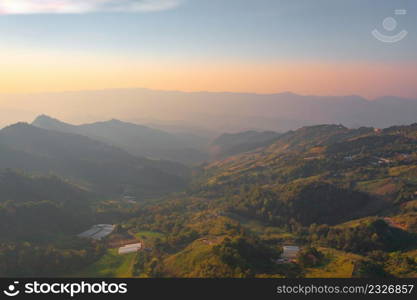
{"points": [[83, 6]]}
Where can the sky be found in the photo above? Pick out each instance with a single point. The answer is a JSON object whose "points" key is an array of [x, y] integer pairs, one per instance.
{"points": [[322, 47]]}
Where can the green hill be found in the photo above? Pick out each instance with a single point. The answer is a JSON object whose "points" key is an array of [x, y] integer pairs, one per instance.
{"points": [[234, 143], [33, 208], [348, 192]]}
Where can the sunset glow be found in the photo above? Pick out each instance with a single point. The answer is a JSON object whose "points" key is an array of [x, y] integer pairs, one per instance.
{"points": [[42, 73], [202, 46]]}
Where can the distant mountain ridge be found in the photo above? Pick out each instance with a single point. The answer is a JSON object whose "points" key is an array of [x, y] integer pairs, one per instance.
{"points": [[136, 139], [222, 112], [93, 164]]}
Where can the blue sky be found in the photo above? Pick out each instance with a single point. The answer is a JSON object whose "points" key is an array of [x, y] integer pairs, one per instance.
{"points": [[263, 29], [220, 30]]}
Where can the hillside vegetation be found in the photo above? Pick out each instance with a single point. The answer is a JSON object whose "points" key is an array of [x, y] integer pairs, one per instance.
{"points": [[346, 197], [349, 193]]}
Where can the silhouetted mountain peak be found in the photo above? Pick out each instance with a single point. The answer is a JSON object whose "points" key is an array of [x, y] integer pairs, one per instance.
{"points": [[119, 123], [136, 139], [95, 164], [47, 122], [45, 119], [19, 127]]}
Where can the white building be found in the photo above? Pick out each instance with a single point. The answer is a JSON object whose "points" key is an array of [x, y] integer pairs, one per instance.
{"points": [[130, 248], [290, 252]]}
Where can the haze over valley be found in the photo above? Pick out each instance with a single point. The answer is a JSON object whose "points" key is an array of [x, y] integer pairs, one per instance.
{"points": [[208, 111]]}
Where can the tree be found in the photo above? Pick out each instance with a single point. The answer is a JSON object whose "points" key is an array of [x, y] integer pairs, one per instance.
{"points": [[310, 257]]}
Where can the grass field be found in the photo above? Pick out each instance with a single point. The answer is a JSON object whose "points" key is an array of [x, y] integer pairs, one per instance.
{"points": [[411, 205], [338, 264], [185, 262], [357, 222], [403, 170], [385, 186], [110, 265]]}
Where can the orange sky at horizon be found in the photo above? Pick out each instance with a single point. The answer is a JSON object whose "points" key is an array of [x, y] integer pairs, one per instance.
{"points": [[34, 73]]}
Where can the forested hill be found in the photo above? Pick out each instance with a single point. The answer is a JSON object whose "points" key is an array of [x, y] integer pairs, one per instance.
{"points": [[234, 143], [93, 164], [40, 217], [350, 194], [320, 174], [34, 207]]}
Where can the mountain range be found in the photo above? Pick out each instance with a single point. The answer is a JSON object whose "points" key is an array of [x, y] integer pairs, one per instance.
{"points": [[219, 112], [136, 139], [346, 197], [90, 163]]}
